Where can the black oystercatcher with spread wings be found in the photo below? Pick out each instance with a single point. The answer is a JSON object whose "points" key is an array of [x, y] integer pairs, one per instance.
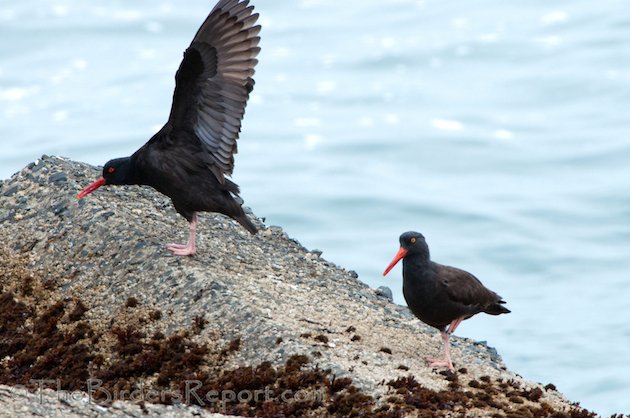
{"points": [[189, 158]]}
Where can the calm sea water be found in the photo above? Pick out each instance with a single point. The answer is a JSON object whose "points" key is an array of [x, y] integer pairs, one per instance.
{"points": [[498, 129]]}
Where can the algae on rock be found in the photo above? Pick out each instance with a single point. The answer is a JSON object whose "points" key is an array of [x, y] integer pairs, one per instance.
{"points": [[88, 293]]}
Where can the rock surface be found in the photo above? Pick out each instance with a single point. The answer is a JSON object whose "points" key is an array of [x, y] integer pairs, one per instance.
{"points": [[93, 277]]}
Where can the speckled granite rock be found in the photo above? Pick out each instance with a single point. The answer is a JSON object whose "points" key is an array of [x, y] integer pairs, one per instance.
{"points": [[19, 402], [267, 292]]}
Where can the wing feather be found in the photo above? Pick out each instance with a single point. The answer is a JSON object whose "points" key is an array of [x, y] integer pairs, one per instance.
{"points": [[214, 81], [466, 289]]}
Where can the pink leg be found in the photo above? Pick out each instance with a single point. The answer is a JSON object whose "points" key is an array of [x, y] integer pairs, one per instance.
{"points": [[453, 325], [189, 248], [446, 361]]}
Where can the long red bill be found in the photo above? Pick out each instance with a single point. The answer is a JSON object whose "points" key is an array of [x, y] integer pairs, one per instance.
{"points": [[399, 256], [98, 183]]}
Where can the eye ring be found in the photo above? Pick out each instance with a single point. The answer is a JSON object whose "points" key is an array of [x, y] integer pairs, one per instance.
{"points": [[413, 240], [110, 170]]}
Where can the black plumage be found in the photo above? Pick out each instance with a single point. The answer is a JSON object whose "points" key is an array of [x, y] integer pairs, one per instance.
{"points": [[441, 296], [189, 158]]}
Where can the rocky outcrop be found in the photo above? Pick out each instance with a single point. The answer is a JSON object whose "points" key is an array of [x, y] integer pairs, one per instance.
{"points": [[92, 304]]}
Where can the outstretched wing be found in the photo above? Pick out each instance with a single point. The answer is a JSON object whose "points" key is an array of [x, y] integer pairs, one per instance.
{"points": [[214, 80]]}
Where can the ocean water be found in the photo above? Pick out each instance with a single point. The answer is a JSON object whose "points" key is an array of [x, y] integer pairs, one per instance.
{"points": [[498, 129]]}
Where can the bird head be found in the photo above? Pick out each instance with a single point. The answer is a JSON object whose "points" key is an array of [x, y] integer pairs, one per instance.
{"points": [[115, 171], [411, 243]]}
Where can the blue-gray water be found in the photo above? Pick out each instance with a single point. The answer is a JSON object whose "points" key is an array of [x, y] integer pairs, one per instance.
{"points": [[498, 129]]}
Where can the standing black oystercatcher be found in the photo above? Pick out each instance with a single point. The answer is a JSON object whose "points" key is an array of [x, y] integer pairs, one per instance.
{"points": [[441, 296], [188, 159]]}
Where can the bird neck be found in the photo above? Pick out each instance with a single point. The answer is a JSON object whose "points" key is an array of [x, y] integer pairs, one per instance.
{"points": [[416, 262], [131, 171], [417, 279]]}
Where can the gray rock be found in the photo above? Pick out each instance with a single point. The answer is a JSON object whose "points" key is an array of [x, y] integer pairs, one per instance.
{"points": [[10, 192], [260, 289], [18, 402], [58, 178], [58, 208], [385, 292]]}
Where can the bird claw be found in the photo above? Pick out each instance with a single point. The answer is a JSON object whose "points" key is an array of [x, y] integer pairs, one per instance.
{"points": [[180, 249], [175, 246], [440, 362]]}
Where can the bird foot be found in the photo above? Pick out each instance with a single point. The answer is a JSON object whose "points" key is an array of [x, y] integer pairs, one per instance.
{"points": [[180, 249], [440, 362]]}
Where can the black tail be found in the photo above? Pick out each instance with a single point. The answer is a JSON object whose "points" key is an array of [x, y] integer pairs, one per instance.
{"points": [[242, 219], [497, 308], [246, 223]]}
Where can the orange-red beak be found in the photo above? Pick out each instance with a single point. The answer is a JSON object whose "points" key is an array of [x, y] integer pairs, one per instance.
{"points": [[98, 183], [399, 256]]}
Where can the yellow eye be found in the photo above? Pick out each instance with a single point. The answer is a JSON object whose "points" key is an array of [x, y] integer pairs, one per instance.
{"points": [[110, 170], [412, 240]]}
